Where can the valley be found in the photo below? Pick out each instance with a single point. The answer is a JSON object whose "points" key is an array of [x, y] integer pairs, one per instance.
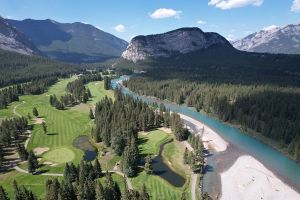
{"points": [[149, 100]]}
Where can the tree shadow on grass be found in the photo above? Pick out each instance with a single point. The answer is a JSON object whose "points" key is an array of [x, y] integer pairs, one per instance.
{"points": [[52, 134]]}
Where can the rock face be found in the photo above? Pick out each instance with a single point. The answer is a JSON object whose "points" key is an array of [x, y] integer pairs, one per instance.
{"points": [[71, 42], [285, 39], [13, 40], [180, 41]]}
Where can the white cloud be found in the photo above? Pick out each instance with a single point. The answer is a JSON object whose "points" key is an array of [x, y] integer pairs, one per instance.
{"points": [[201, 22], [120, 28], [229, 4], [165, 13], [296, 6], [98, 27], [268, 28]]}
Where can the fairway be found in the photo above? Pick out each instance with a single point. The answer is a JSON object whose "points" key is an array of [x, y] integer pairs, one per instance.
{"points": [[149, 143], [60, 155]]}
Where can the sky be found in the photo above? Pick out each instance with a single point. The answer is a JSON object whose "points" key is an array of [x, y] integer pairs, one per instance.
{"points": [[233, 19]]}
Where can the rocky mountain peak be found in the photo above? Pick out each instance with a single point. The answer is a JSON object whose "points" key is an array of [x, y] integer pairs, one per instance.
{"points": [[273, 39], [180, 41]]}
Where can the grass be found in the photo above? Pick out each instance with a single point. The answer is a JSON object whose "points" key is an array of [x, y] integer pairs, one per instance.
{"points": [[98, 92], [60, 155], [117, 178], [35, 183], [63, 127], [173, 152], [149, 143]]}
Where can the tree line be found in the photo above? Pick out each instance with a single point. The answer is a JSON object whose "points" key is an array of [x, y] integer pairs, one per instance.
{"points": [[76, 92], [269, 110], [17, 68], [11, 133], [36, 87], [81, 182]]}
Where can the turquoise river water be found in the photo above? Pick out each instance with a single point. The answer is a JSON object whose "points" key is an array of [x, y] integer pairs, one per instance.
{"points": [[271, 158]]}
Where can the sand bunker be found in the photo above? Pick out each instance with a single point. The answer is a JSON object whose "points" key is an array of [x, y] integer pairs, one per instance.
{"points": [[167, 130], [39, 120], [40, 150]]}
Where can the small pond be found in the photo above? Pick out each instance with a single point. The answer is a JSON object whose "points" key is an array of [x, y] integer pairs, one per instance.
{"points": [[83, 143], [164, 171]]}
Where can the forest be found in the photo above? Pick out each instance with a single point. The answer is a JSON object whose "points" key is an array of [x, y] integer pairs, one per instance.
{"points": [[270, 110], [118, 122], [17, 68]]}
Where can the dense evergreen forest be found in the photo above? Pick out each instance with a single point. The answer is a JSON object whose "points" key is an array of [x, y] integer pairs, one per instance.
{"points": [[17, 68], [261, 107], [118, 122]]}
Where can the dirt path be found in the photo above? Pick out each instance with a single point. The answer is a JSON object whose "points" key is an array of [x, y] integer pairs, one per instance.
{"points": [[193, 175], [15, 109]]}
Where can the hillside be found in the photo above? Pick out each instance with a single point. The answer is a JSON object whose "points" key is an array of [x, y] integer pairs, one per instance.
{"points": [[18, 68], [71, 42], [284, 39], [13, 40]]}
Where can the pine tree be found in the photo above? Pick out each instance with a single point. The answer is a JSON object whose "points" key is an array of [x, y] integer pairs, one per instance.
{"points": [[100, 193], [23, 154], [185, 156], [148, 165], [91, 115], [97, 169], [52, 189], [44, 127], [32, 162], [35, 112], [144, 194], [3, 194]]}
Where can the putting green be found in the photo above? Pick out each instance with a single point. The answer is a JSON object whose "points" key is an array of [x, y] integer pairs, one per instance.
{"points": [[60, 155]]}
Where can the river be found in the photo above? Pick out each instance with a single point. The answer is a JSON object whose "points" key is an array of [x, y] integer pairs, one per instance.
{"points": [[286, 168]]}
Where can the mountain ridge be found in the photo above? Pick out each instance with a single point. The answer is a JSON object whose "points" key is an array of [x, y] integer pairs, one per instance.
{"points": [[13, 40], [71, 42], [275, 39], [179, 41]]}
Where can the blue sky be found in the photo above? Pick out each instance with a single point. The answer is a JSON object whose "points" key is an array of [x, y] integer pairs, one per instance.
{"points": [[127, 18]]}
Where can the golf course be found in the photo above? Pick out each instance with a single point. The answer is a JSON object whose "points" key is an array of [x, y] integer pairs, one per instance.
{"points": [[55, 148]]}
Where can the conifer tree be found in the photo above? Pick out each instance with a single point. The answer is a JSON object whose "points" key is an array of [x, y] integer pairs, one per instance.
{"points": [[44, 127], [97, 169], [3, 194], [35, 112], [91, 114], [100, 193], [32, 162]]}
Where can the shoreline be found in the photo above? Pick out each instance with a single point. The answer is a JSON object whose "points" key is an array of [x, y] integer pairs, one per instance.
{"points": [[233, 172]]}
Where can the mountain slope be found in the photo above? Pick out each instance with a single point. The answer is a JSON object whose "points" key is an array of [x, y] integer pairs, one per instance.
{"points": [[71, 42], [285, 39], [12, 40], [213, 61], [180, 41], [18, 68]]}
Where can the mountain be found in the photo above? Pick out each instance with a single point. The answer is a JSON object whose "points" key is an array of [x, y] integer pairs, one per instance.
{"points": [[13, 40], [206, 56], [180, 41], [71, 42], [284, 39]]}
